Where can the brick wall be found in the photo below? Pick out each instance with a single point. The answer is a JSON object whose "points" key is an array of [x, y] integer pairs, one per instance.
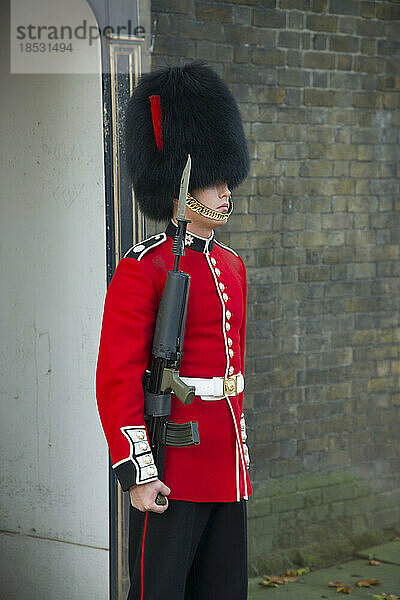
{"points": [[317, 223]]}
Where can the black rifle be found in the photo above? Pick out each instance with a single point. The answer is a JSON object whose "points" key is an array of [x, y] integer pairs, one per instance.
{"points": [[163, 377]]}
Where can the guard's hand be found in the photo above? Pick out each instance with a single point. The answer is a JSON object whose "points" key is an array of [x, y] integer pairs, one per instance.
{"points": [[143, 497]]}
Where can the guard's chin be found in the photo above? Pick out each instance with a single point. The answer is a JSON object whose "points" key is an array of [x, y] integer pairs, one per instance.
{"points": [[217, 223]]}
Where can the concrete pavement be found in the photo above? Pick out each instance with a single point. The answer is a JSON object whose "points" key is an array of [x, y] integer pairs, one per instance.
{"points": [[314, 585]]}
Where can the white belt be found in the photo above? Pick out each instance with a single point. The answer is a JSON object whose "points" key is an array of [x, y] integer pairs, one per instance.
{"points": [[216, 388]]}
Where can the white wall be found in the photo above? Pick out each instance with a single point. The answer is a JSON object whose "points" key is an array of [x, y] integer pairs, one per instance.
{"points": [[54, 459]]}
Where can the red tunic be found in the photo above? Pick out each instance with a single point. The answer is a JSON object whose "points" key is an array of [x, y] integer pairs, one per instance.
{"points": [[214, 346]]}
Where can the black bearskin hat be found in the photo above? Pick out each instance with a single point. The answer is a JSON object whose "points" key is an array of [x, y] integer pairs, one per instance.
{"points": [[173, 112]]}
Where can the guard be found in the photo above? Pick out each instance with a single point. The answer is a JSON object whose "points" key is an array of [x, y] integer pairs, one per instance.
{"points": [[194, 546]]}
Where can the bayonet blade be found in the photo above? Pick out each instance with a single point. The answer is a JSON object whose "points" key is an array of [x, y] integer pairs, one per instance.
{"points": [[184, 189]]}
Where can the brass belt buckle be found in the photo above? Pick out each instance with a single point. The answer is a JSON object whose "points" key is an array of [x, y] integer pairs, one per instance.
{"points": [[230, 386]]}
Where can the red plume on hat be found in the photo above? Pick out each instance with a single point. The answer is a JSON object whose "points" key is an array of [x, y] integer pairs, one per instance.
{"points": [[156, 116], [173, 112]]}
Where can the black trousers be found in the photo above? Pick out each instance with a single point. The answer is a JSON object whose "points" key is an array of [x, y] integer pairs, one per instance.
{"points": [[193, 551]]}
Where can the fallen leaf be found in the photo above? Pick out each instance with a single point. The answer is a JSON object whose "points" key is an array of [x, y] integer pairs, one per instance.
{"points": [[290, 575], [266, 583], [346, 589], [340, 587], [277, 580], [367, 582], [336, 584], [273, 580]]}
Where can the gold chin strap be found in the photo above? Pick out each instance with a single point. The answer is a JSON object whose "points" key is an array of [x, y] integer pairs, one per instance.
{"points": [[210, 213]]}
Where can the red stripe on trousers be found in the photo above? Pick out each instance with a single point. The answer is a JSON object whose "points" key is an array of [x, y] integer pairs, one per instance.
{"points": [[142, 562]]}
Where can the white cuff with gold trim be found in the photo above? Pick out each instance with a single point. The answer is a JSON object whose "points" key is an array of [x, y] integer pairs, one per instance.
{"points": [[138, 467]]}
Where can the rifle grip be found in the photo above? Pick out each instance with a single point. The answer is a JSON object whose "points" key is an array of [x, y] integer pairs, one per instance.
{"points": [[161, 499]]}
